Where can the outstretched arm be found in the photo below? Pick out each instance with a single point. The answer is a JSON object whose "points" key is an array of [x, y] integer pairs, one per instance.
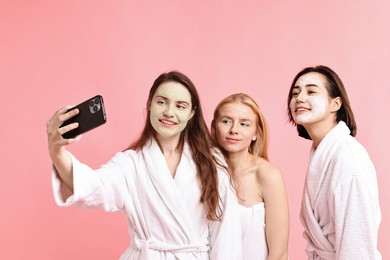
{"points": [[56, 143]]}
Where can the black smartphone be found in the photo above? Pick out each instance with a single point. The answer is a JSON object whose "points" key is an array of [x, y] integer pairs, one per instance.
{"points": [[92, 114]]}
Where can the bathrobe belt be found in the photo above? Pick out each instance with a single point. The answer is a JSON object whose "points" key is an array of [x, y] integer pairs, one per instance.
{"points": [[315, 251], [153, 244]]}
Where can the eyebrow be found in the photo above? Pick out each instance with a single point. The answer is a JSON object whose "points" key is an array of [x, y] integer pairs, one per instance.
{"points": [[308, 85], [183, 102], [222, 116], [241, 119], [180, 101], [245, 120]]}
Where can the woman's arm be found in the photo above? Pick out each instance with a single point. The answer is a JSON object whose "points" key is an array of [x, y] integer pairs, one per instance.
{"points": [[355, 207], [56, 143], [276, 213]]}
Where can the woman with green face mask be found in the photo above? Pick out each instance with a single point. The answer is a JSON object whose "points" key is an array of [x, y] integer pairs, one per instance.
{"points": [[177, 199]]}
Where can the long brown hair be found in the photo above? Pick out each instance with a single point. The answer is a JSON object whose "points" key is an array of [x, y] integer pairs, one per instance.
{"points": [[335, 88], [198, 137]]}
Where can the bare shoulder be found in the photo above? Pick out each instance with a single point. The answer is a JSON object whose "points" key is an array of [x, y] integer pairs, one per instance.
{"points": [[268, 173], [272, 184]]}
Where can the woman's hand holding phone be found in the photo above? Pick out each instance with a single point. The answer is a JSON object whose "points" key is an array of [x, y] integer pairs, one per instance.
{"points": [[66, 126]]}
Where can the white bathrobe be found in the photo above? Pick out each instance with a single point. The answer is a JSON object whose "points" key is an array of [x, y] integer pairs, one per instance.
{"points": [[340, 207], [165, 216]]}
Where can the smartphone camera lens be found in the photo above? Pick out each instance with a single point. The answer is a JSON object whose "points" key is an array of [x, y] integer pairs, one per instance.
{"points": [[94, 105]]}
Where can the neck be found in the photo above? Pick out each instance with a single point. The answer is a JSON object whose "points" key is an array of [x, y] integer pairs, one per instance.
{"points": [[169, 145], [239, 160], [318, 132]]}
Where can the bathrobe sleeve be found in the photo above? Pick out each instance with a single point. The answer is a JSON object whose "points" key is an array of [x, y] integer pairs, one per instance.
{"points": [[102, 188], [225, 235], [354, 205]]}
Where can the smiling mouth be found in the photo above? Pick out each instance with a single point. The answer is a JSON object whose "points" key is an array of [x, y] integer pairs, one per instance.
{"points": [[301, 109], [167, 122]]}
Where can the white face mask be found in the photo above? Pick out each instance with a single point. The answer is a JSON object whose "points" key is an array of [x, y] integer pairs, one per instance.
{"points": [[170, 109], [310, 100]]}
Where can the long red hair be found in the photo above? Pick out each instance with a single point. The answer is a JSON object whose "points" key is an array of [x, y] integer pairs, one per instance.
{"points": [[258, 147]]}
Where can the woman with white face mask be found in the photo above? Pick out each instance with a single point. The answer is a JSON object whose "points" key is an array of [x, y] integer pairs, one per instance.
{"points": [[340, 207], [178, 201]]}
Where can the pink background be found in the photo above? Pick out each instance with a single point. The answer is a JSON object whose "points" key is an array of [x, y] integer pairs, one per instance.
{"points": [[54, 53]]}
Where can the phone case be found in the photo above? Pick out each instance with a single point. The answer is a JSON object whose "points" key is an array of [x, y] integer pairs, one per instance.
{"points": [[92, 114]]}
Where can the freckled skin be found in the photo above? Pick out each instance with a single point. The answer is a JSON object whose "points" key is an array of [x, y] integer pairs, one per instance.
{"points": [[235, 127]]}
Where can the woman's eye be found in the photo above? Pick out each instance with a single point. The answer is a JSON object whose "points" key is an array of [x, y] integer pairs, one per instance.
{"points": [[181, 107], [295, 94]]}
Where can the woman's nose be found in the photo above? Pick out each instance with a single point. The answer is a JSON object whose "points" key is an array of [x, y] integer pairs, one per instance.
{"points": [[233, 129], [168, 111], [300, 97]]}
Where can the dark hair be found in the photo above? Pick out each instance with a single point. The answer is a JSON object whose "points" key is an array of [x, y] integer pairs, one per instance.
{"points": [[197, 135], [335, 88]]}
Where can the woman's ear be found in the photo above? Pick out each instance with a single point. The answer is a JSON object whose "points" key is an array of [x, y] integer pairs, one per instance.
{"points": [[336, 104], [192, 113]]}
